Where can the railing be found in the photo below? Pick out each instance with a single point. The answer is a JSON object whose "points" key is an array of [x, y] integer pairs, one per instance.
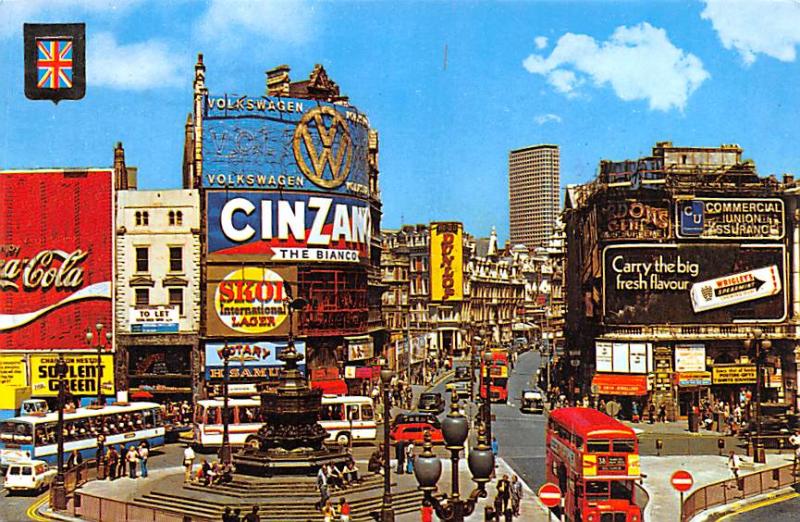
{"points": [[97, 509], [731, 490]]}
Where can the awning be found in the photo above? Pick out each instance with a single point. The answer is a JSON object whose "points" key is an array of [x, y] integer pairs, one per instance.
{"points": [[331, 386], [615, 384]]}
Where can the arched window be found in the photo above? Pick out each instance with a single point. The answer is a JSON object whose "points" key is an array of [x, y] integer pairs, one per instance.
{"points": [[145, 219], [138, 218], [171, 217], [179, 218]]}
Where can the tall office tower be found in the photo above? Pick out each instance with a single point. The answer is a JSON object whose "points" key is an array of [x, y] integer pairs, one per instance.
{"points": [[533, 190]]}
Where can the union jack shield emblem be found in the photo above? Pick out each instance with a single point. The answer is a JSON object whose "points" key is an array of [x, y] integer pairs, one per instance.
{"points": [[55, 61]]}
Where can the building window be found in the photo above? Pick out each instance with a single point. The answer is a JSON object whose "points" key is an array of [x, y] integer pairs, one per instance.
{"points": [[176, 298], [175, 217], [142, 297], [142, 259], [138, 218], [142, 219], [175, 259]]}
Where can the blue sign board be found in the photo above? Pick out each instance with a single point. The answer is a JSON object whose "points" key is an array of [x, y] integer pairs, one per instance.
{"points": [[287, 144], [292, 227], [692, 219], [154, 328], [249, 359]]}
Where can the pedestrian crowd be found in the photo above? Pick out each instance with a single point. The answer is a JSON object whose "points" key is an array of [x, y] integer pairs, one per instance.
{"points": [[133, 459]]}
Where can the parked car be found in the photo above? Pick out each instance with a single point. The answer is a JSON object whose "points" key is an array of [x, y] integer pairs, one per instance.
{"points": [[34, 475], [415, 432], [431, 402], [462, 388], [417, 417], [532, 401]]}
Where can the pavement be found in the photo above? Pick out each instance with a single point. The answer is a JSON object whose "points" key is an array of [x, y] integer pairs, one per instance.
{"points": [[705, 469]]}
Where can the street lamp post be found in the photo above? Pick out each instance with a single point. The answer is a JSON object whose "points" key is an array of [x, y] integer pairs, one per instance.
{"points": [[428, 467], [58, 492], [101, 344], [473, 354], [225, 449], [387, 511], [487, 363], [761, 347]]}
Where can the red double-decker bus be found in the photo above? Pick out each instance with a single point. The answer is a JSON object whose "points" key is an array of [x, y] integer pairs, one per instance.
{"points": [[594, 459], [498, 370]]}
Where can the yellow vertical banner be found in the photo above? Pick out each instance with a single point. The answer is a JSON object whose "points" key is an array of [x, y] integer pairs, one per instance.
{"points": [[447, 264]]}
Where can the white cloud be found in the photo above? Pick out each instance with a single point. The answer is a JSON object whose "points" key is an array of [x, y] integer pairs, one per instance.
{"points": [[231, 22], [764, 27], [540, 41], [139, 66], [14, 13], [546, 118], [639, 63]]}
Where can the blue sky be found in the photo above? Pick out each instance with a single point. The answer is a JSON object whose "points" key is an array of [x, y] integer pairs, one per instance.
{"points": [[600, 79]]}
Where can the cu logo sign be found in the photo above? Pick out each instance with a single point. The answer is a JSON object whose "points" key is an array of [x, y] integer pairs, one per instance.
{"points": [[323, 148], [692, 217]]}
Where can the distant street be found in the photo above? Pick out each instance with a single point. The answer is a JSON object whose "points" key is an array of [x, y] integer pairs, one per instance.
{"points": [[521, 435]]}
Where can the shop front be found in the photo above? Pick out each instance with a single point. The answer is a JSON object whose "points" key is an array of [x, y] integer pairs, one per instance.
{"points": [[620, 392]]}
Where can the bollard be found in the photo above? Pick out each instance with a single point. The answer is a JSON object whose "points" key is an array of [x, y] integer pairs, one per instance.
{"points": [[659, 446]]}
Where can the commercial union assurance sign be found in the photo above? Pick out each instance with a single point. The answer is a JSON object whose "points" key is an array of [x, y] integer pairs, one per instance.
{"points": [[716, 218]]}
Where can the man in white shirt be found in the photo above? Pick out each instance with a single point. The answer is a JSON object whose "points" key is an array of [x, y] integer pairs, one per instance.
{"points": [[188, 463]]}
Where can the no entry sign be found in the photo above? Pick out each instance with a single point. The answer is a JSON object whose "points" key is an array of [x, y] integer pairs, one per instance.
{"points": [[682, 481], [550, 495]]}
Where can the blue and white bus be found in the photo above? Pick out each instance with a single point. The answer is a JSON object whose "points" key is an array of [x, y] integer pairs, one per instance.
{"points": [[34, 436]]}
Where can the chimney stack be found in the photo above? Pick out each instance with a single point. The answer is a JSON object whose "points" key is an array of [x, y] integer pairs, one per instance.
{"points": [[278, 81]]}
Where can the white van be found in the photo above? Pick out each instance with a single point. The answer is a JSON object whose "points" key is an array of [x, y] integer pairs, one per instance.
{"points": [[34, 475]]}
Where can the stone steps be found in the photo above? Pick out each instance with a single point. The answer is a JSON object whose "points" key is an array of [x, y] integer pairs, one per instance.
{"points": [[279, 511], [303, 488]]}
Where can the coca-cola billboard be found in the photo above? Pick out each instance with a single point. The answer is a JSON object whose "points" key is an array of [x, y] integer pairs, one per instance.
{"points": [[56, 244]]}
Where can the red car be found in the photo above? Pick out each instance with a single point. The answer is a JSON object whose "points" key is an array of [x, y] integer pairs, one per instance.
{"points": [[415, 432]]}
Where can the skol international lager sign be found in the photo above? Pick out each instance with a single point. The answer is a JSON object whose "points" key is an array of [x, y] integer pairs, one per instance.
{"points": [[81, 378], [247, 300], [447, 273]]}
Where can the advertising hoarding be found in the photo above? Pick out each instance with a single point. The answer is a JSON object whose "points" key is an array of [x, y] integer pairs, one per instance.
{"points": [[730, 218], [56, 263], [250, 359], [623, 357], [690, 358], [633, 219], [447, 273], [652, 283], [154, 319], [287, 227], [360, 348], [81, 376], [734, 373], [287, 144], [13, 371], [247, 300]]}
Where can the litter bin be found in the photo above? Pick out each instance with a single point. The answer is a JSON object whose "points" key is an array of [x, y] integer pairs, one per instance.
{"points": [[694, 422]]}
